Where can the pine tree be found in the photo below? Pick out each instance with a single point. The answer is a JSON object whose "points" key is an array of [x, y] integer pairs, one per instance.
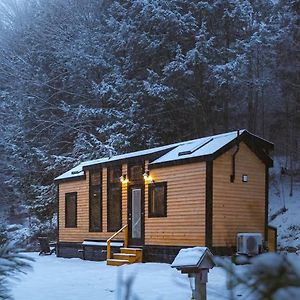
{"points": [[12, 262]]}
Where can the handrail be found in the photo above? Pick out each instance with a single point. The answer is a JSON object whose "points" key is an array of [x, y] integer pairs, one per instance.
{"points": [[125, 228]]}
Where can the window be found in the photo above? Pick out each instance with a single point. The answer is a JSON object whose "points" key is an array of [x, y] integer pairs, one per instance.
{"points": [[158, 199], [95, 206], [114, 203], [136, 172], [114, 174], [71, 210]]}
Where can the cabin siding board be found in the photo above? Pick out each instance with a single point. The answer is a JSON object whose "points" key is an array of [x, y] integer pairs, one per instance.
{"points": [[185, 221], [81, 233], [238, 206]]}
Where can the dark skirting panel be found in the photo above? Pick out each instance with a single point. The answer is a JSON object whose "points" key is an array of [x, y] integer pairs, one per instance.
{"points": [[166, 254], [68, 250], [88, 252], [151, 253]]}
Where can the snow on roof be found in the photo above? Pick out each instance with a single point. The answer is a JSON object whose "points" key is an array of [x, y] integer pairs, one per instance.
{"points": [[178, 151], [78, 170], [197, 148]]}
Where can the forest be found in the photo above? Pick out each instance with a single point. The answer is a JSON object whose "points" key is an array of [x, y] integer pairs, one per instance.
{"points": [[83, 79]]}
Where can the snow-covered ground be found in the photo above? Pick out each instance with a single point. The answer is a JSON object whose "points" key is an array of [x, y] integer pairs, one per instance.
{"points": [[72, 279], [287, 222]]}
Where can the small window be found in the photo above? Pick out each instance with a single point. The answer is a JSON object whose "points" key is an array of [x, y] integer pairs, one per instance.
{"points": [[114, 174], [136, 173], [158, 199], [114, 208], [114, 199], [95, 178], [71, 210], [95, 201]]}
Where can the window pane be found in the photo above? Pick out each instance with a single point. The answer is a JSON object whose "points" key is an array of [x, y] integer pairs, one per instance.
{"points": [[95, 208], [114, 209], [136, 173], [136, 225], [95, 178], [114, 174], [157, 200], [71, 209], [159, 197]]}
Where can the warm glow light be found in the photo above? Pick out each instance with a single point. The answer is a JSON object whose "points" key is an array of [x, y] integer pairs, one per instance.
{"points": [[147, 177], [124, 179]]}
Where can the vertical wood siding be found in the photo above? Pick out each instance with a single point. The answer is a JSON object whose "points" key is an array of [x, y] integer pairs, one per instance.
{"points": [[185, 221], [82, 231], [238, 206]]}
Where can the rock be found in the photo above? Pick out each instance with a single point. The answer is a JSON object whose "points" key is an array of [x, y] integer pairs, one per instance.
{"points": [[291, 249]]}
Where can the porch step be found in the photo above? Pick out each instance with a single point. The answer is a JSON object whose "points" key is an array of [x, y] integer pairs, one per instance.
{"points": [[131, 250], [117, 262], [127, 256], [136, 251]]}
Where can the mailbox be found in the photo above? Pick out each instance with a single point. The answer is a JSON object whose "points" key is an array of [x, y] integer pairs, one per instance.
{"points": [[196, 262]]}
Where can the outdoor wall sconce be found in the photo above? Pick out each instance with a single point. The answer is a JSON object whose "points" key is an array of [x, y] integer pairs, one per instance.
{"points": [[124, 179], [196, 262], [245, 178], [147, 177]]}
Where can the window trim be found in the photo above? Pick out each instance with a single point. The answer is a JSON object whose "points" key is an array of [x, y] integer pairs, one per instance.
{"points": [[100, 200], [150, 187], [66, 196], [109, 186]]}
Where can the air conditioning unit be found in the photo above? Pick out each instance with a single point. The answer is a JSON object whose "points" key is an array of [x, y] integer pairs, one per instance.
{"points": [[249, 243]]}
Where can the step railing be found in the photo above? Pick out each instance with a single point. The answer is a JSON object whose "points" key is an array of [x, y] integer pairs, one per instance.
{"points": [[125, 229]]}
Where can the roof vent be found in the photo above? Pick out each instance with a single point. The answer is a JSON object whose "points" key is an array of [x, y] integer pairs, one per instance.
{"points": [[190, 151], [76, 172]]}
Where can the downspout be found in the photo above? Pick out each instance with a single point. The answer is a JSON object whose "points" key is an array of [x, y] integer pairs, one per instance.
{"points": [[232, 176]]}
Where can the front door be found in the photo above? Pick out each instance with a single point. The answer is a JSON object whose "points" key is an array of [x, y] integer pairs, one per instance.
{"points": [[136, 215]]}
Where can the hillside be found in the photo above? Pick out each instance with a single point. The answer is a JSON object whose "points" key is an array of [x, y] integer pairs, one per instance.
{"points": [[284, 209]]}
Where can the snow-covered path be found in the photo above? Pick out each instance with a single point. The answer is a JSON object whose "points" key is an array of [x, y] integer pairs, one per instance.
{"points": [[72, 279]]}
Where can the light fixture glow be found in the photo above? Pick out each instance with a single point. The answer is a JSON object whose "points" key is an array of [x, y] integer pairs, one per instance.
{"points": [[124, 179], [147, 177]]}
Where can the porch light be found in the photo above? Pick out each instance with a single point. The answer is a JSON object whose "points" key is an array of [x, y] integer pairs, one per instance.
{"points": [[196, 262], [147, 177], [124, 179]]}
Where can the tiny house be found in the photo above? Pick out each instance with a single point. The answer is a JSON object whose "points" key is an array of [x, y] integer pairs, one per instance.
{"points": [[201, 192]]}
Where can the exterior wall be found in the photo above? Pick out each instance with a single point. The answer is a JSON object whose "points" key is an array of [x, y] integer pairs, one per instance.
{"points": [[185, 221], [81, 232], [238, 206]]}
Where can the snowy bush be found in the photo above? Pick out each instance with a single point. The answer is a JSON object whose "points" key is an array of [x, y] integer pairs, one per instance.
{"points": [[12, 262], [270, 276]]}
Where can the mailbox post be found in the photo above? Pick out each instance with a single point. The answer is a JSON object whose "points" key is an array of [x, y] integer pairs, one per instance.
{"points": [[196, 262]]}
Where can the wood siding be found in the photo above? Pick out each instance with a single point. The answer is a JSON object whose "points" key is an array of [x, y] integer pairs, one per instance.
{"points": [[81, 232], [185, 221], [238, 206]]}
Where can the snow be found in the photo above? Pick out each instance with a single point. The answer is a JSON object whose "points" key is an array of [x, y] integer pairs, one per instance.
{"points": [[94, 243], [198, 148], [288, 222], [72, 279], [194, 148], [189, 256], [78, 170]]}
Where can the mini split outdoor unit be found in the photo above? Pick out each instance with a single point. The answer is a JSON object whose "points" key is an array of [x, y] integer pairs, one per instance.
{"points": [[249, 243]]}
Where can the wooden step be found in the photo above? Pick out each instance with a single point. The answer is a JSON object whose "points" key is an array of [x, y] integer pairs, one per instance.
{"points": [[126, 256], [131, 250], [117, 262], [137, 251]]}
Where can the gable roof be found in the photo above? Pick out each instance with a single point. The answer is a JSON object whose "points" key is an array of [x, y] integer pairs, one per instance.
{"points": [[203, 148]]}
